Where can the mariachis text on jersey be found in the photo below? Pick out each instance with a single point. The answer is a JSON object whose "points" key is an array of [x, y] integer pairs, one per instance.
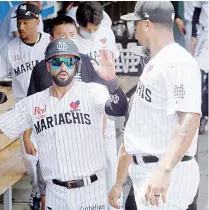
{"points": [[60, 119]]}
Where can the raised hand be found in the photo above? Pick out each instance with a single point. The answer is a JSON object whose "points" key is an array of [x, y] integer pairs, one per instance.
{"points": [[106, 68]]}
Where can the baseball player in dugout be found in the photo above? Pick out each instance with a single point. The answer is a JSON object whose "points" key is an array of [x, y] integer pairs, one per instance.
{"points": [[63, 118], [18, 59], [160, 137], [65, 27]]}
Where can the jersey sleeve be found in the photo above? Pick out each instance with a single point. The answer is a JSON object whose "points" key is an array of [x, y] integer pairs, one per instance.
{"points": [[100, 96], [183, 87], [197, 4], [5, 66], [16, 120], [106, 20]]}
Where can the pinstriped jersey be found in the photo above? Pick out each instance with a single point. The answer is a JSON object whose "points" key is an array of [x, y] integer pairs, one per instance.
{"points": [[188, 10], [68, 131], [19, 59], [203, 19], [170, 82]]}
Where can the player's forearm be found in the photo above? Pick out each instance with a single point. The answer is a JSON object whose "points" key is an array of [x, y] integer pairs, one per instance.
{"points": [[182, 139], [124, 160], [26, 135], [116, 105]]}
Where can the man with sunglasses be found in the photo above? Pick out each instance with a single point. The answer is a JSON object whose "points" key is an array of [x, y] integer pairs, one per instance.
{"points": [[160, 137], [66, 121], [18, 59], [64, 27]]}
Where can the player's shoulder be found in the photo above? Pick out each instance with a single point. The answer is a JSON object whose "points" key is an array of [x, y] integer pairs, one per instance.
{"points": [[13, 42], [96, 87], [180, 60], [89, 86], [39, 67], [179, 55], [38, 97], [85, 58], [45, 37]]}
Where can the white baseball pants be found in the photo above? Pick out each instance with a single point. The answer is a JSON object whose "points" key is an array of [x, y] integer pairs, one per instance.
{"points": [[92, 196], [181, 191]]}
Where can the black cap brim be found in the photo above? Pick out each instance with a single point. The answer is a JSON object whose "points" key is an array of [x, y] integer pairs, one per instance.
{"points": [[61, 53], [24, 17]]}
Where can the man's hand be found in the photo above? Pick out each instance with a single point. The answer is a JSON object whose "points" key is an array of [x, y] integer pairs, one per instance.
{"points": [[106, 68], [29, 147], [180, 25], [114, 195], [158, 187], [193, 45]]}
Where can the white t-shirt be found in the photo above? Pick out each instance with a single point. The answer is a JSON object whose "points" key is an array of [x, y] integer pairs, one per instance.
{"points": [[170, 82], [104, 35], [106, 21], [19, 59], [68, 131]]}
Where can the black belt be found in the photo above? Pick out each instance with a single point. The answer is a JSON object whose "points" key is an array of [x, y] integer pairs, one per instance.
{"points": [[74, 183], [154, 159]]}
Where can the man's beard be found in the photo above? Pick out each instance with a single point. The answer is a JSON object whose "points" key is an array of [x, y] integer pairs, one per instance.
{"points": [[63, 83]]}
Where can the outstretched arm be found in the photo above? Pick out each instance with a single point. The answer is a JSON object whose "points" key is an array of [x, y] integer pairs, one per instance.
{"points": [[116, 104]]}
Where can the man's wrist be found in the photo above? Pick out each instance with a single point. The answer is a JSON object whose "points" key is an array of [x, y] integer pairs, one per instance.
{"points": [[165, 169], [118, 186], [112, 85]]}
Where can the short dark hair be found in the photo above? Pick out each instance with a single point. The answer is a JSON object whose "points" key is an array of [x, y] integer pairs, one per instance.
{"points": [[89, 12], [59, 20]]}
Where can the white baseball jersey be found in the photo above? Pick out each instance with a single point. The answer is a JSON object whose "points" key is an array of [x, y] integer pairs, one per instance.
{"points": [[203, 19], [188, 10], [201, 50], [106, 21], [68, 131], [170, 82], [13, 22], [19, 59], [104, 35]]}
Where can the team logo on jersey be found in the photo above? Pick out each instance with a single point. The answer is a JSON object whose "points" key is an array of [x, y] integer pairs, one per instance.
{"points": [[40, 112], [103, 41], [19, 57], [144, 92], [62, 119], [179, 92], [114, 98], [74, 105], [25, 67], [62, 46]]}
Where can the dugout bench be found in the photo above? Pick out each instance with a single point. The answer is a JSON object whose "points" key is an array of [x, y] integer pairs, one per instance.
{"points": [[12, 168]]}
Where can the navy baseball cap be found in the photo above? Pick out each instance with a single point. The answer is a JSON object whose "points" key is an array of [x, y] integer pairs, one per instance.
{"points": [[61, 47], [27, 11], [155, 11]]}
